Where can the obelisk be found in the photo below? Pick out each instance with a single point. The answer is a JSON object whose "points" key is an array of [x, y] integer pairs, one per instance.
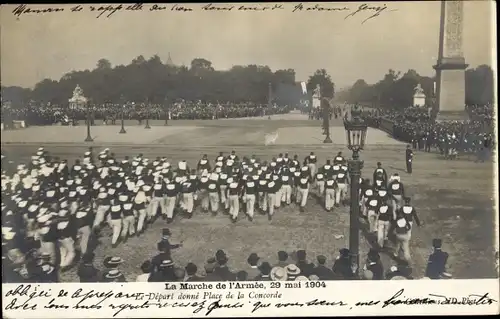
{"points": [[450, 67]]}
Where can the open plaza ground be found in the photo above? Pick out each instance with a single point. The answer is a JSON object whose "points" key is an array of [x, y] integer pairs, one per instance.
{"points": [[454, 199]]}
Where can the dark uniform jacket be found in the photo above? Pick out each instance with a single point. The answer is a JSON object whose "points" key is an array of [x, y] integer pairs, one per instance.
{"points": [[436, 264], [324, 273], [88, 273]]}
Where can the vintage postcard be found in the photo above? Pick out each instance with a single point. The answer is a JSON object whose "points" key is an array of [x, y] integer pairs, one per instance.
{"points": [[249, 159]]}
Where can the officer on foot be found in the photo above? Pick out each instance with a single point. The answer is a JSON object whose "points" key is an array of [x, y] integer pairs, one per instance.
{"points": [[409, 159], [436, 266]]}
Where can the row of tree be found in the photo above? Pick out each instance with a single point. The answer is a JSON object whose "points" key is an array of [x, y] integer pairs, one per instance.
{"points": [[396, 89], [154, 81]]}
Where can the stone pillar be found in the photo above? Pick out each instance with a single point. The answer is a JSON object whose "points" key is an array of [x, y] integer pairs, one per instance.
{"points": [[450, 67]]}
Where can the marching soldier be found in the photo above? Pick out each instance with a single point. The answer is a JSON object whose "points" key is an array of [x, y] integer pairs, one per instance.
{"points": [[115, 221], [233, 192], [213, 188], [379, 177], [396, 193], [83, 220], [303, 192], [384, 220], [341, 190], [250, 189], [286, 186], [310, 161], [170, 199], [339, 159], [129, 216], [402, 236], [203, 192], [408, 212], [330, 186]]}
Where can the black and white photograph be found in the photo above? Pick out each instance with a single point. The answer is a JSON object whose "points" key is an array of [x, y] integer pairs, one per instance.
{"points": [[250, 147]]}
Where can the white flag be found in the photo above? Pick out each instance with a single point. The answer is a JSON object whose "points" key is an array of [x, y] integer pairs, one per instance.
{"points": [[304, 87]]}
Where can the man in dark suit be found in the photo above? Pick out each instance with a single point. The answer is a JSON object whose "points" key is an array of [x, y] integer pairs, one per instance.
{"points": [[306, 269], [436, 266], [374, 265], [342, 266], [164, 254], [221, 269], [87, 272], [191, 270], [253, 261], [209, 270], [282, 259], [323, 272]]}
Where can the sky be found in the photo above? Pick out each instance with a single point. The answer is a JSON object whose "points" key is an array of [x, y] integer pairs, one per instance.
{"points": [[404, 36]]}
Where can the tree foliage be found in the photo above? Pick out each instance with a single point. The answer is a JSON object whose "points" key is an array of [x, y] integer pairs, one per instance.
{"points": [[396, 90], [151, 80], [325, 82]]}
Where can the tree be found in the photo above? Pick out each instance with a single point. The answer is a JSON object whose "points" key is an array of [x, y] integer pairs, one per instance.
{"points": [[325, 82], [103, 64]]}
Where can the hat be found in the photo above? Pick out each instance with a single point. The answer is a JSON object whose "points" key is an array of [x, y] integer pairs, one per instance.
{"points": [[219, 253], [292, 269], [278, 274], [112, 262], [344, 252], [301, 278], [166, 263], [113, 274], [191, 269], [282, 255], [313, 277], [165, 233], [253, 259], [265, 268], [321, 259], [210, 265], [437, 243]]}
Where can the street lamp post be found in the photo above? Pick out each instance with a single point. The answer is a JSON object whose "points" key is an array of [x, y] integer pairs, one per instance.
{"points": [[166, 110], [89, 137], [122, 131], [356, 136], [148, 115], [326, 120]]}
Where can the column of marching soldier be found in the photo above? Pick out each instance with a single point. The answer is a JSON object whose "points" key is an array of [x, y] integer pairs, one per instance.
{"points": [[47, 205]]}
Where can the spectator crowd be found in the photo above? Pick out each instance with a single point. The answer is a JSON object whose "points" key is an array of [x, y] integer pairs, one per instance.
{"points": [[414, 125], [35, 114]]}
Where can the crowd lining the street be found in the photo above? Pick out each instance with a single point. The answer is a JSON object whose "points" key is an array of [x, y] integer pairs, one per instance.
{"points": [[35, 114], [414, 125]]}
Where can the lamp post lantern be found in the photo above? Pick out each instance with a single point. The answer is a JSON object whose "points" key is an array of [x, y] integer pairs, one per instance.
{"points": [[148, 115], [89, 137], [356, 135], [122, 131]]}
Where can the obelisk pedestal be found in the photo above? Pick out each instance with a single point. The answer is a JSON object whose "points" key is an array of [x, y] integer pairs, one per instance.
{"points": [[450, 67]]}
